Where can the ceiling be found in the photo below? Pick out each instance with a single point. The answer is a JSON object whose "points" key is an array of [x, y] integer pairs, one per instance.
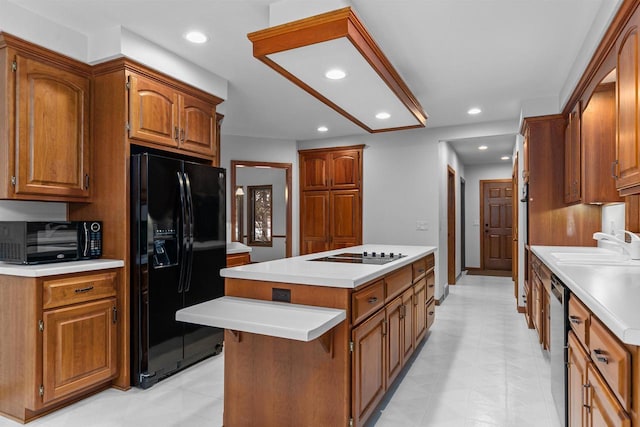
{"points": [[453, 55]]}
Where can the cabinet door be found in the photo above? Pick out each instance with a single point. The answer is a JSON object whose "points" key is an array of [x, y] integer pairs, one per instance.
{"points": [[408, 340], [602, 406], [79, 347], [346, 220], [576, 380], [153, 112], [314, 171], [628, 151], [345, 169], [368, 366], [314, 222], [395, 336], [419, 310], [572, 157], [197, 126], [52, 131]]}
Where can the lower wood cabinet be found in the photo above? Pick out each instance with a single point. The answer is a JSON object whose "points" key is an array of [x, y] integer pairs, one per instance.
{"points": [[62, 332], [386, 340], [599, 374], [369, 373], [242, 258]]}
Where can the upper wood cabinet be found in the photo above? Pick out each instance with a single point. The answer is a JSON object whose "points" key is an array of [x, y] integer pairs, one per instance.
{"points": [[45, 110], [572, 157], [324, 170], [590, 149], [161, 114], [628, 146], [330, 198]]}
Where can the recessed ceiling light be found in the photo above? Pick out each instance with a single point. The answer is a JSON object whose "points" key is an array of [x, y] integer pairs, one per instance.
{"points": [[335, 74], [323, 129], [505, 158], [383, 115], [196, 37], [473, 111], [482, 147]]}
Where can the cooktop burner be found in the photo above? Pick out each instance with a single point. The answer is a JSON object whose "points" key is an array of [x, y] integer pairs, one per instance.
{"points": [[377, 258]]}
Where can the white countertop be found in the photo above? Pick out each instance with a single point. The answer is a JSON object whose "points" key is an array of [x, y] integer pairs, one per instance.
{"points": [[277, 319], [302, 270], [51, 269], [237, 248], [611, 292]]}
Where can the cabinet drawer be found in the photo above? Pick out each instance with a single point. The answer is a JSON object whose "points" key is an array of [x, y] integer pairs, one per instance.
{"points": [[367, 301], [419, 269], [579, 320], [430, 261], [612, 360], [431, 285], [234, 260], [398, 281], [72, 290], [431, 313]]}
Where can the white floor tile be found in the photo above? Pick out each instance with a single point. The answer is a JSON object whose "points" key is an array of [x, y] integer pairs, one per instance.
{"points": [[479, 367]]}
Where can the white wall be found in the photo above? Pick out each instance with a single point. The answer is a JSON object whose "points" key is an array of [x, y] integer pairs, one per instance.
{"points": [[12, 210], [234, 147], [248, 176], [473, 175], [405, 181]]}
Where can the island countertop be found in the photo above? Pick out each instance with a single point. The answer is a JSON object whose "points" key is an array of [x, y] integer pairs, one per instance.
{"points": [[304, 270]]}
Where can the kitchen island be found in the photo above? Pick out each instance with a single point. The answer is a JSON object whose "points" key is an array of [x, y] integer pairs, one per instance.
{"points": [[318, 339]]}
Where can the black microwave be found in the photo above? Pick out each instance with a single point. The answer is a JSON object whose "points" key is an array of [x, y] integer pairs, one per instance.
{"points": [[37, 242]]}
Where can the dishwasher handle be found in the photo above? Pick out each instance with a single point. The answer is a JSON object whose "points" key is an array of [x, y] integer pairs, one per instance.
{"points": [[557, 288]]}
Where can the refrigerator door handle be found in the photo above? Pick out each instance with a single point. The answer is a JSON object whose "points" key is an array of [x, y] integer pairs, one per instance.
{"points": [[185, 231], [187, 183]]}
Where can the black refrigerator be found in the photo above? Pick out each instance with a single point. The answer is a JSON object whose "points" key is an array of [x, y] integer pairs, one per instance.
{"points": [[178, 246]]}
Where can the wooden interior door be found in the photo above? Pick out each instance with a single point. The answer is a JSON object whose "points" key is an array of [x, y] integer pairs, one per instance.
{"points": [[497, 218], [451, 226], [514, 229]]}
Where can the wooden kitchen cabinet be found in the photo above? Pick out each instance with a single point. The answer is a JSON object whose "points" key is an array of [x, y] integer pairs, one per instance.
{"points": [[46, 109], [419, 310], [331, 198], [572, 158], [599, 373], [540, 293], [242, 258], [628, 142], [63, 332], [369, 374], [161, 114]]}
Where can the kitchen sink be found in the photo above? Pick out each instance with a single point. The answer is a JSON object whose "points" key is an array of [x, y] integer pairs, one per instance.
{"points": [[591, 258]]}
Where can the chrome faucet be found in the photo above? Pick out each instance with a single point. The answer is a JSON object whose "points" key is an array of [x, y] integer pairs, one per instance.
{"points": [[632, 248]]}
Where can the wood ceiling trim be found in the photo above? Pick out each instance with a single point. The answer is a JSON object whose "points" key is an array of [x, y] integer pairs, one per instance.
{"points": [[330, 26]]}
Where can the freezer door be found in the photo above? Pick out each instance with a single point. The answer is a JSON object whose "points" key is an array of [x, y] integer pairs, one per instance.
{"points": [[206, 199], [157, 223]]}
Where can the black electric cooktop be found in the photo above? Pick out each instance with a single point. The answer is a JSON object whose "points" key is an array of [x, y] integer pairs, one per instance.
{"points": [[377, 258]]}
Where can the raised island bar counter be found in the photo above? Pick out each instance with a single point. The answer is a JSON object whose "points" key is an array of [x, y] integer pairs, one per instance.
{"points": [[327, 337]]}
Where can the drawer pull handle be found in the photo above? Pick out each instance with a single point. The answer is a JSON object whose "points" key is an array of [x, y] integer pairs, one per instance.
{"points": [[431, 286], [431, 313], [599, 356], [575, 319], [421, 270], [83, 290], [373, 300]]}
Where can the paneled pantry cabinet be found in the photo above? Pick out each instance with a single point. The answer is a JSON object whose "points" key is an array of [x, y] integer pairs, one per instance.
{"points": [[45, 137], [63, 332], [330, 198]]}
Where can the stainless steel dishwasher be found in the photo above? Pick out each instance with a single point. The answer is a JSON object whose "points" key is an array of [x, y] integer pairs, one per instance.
{"points": [[558, 346]]}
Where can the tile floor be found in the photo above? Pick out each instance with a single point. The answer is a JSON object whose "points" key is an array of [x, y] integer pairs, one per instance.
{"points": [[480, 366]]}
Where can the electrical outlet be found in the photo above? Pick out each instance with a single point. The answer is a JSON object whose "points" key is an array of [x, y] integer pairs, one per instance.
{"points": [[282, 295], [422, 225]]}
